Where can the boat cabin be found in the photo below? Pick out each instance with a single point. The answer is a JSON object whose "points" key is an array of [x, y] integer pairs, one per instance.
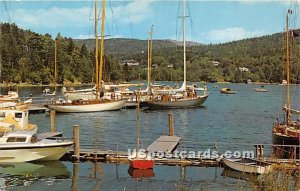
{"points": [[18, 137], [15, 117]]}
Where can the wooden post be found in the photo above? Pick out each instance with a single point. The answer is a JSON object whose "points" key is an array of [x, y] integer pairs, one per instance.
{"points": [[261, 150], [52, 120], [171, 124], [75, 177], [257, 153], [76, 142]]}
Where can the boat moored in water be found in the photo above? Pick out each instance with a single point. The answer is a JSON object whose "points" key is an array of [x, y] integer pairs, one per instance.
{"points": [[24, 146], [248, 165], [227, 91]]}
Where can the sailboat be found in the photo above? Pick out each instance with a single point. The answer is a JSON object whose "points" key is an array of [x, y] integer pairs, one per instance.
{"points": [[177, 98], [98, 103], [288, 131]]}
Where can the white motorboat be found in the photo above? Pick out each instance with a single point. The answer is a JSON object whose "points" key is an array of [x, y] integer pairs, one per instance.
{"points": [[24, 146]]}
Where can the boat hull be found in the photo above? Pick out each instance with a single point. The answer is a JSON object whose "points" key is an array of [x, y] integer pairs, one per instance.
{"points": [[141, 164], [80, 108], [182, 103], [288, 151], [260, 90], [27, 154], [247, 168]]}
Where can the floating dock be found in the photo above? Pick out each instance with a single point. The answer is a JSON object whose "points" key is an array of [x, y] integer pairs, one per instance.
{"points": [[164, 143]]}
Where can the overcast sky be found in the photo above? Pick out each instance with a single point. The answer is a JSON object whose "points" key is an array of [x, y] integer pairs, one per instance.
{"points": [[208, 21]]}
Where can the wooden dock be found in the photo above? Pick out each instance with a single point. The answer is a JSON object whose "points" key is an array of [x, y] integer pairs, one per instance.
{"points": [[166, 144], [36, 109], [121, 157]]}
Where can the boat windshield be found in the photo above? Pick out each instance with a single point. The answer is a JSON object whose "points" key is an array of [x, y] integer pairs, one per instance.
{"points": [[34, 139]]}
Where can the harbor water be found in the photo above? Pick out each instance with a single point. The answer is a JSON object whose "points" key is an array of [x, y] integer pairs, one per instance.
{"points": [[224, 123]]}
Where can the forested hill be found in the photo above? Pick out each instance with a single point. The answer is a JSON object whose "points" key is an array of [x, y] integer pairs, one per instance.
{"points": [[121, 46], [29, 57]]}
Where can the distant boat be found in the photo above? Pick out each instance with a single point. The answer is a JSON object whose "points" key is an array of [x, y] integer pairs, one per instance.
{"points": [[248, 165], [11, 96], [227, 91], [261, 89]]}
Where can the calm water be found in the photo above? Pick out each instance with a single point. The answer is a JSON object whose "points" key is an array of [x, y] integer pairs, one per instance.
{"points": [[232, 122]]}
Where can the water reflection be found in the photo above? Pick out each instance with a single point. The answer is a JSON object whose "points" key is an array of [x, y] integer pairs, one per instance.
{"points": [[25, 174], [141, 173]]}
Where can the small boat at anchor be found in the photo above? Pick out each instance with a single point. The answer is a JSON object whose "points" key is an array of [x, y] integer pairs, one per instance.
{"points": [[227, 91], [261, 89], [248, 165]]}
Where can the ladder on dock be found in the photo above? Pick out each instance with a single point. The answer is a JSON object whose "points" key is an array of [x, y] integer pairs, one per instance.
{"points": [[166, 144]]}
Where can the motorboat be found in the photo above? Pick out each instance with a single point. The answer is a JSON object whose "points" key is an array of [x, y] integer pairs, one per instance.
{"points": [[227, 91], [24, 146]]}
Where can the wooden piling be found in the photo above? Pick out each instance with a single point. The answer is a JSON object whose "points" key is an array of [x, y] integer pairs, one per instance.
{"points": [[171, 124], [75, 177], [53, 120], [259, 151], [76, 142]]}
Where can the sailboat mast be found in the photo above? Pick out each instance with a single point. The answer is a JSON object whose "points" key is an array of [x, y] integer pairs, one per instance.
{"points": [[96, 50], [138, 127], [55, 67], [288, 102], [150, 60], [102, 44], [184, 48]]}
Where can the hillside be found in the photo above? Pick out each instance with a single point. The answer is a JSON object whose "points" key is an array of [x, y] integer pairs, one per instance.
{"points": [[28, 57], [117, 46]]}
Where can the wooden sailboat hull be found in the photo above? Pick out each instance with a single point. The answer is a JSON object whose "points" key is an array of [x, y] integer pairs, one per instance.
{"points": [[285, 146], [80, 108], [181, 103]]}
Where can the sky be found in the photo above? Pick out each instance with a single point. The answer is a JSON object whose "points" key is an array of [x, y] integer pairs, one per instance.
{"points": [[207, 22]]}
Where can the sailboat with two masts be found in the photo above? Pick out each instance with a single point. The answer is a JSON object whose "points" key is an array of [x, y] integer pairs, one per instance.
{"points": [[97, 104], [288, 131], [177, 98]]}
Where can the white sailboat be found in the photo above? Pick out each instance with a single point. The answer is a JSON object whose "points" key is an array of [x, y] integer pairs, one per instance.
{"points": [[96, 103], [177, 98]]}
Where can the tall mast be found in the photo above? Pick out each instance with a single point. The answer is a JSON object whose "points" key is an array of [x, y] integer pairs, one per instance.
{"points": [[96, 50], [288, 102], [102, 44], [55, 66], [184, 48], [150, 60]]}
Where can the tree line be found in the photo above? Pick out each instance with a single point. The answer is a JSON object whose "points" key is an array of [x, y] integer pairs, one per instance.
{"points": [[28, 57]]}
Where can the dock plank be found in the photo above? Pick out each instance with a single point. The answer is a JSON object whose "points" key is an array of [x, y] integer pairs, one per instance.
{"points": [[164, 144]]}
